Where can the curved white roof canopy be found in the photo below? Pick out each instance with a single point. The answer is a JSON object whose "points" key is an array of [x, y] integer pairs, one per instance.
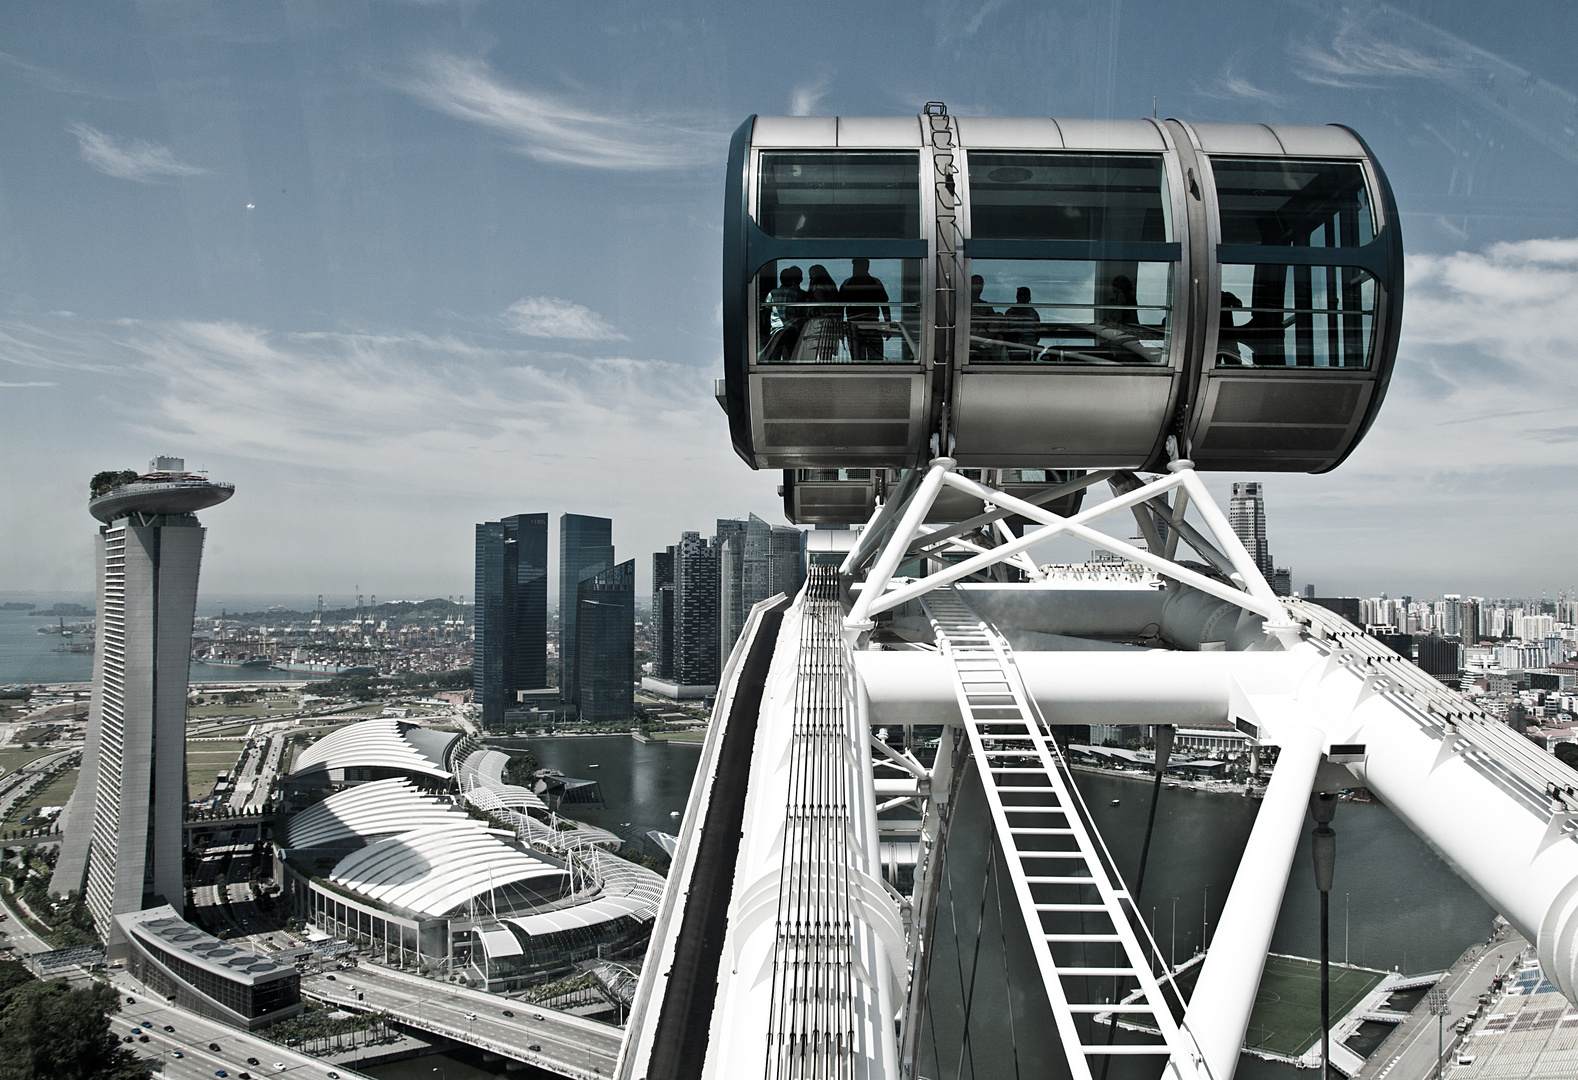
{"points": [[435, 870], [379, 809], [380, 743], [628, 889]]}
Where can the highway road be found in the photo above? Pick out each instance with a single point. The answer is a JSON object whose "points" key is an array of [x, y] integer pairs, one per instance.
{"points": [[194, 1034], [568, 1045]]}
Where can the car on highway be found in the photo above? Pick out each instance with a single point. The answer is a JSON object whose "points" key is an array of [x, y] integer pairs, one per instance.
{"points": [[147, 1023], [471, 1016], [214, 1047], [142, 1038], [126, 1038], [329, 977], [333, 1075], [131, 1001], [534, 1048], [279, 1066], [167, 1027], [243, 1076], [220, 1072], [508, 1013], [536, 1016], [253, 1061]]}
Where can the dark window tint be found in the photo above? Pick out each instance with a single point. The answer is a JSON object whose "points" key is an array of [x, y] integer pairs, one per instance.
{"points": [[839, 311], [852, 195], [1069, 311], [1293, 203], [1112, 197], [1296, 316]]}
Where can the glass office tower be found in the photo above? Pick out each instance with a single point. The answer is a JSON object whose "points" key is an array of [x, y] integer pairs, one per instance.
{"points": [[605, 630], [586, 549], [510, 646]]}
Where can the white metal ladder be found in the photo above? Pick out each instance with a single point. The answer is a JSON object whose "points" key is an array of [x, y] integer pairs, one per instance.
{"points": [[1051, 857]]}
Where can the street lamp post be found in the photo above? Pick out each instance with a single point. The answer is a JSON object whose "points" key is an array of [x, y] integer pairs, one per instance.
{"points": [[1440, 1005]]}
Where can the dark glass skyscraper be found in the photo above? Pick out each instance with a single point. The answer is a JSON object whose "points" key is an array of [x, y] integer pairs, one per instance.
{"points": [[695, 611], [586, 549], [605, 629], [510, 644], [663, 613]]}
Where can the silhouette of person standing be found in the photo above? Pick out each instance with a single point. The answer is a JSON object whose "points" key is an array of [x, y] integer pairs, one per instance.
{"points": [[825, 326], [1024, 325], [787, 314], [984, 324], [862, 294]]}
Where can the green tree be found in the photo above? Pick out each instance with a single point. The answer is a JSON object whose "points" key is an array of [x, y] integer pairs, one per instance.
{"points": [[49, 1031], [1567, 754]]}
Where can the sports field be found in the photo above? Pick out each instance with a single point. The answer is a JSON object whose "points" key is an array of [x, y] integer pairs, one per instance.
{"points": [[205, 761], [1286, 1018]]}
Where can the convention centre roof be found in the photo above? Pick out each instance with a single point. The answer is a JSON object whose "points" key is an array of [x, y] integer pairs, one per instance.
{"points": [[381, 743]]}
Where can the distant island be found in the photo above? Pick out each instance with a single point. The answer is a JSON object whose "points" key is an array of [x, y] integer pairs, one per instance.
{"points": [[12, 605], [58, 609]]}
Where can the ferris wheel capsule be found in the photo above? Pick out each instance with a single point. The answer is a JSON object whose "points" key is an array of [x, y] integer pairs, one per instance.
{"points": [[1055, 294]]}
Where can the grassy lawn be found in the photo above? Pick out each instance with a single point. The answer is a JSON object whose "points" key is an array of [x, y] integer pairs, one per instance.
{"points": [[13, 758], [205, 761], [1286, 1017], [696, 736], [54, 793]]}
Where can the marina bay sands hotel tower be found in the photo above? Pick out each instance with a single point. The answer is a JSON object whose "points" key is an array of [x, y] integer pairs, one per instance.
{"points": [[122, 829]]}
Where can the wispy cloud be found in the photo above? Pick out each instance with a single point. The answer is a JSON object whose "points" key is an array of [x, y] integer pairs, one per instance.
{"points": [[549, 129], [1354, 60], [23, 385], [129, 159], [551, 317], [1230, 86], [808, 96]]}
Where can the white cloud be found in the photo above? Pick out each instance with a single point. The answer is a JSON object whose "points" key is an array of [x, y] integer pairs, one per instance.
{"points": [[129, 159], [552, 130], [986, 9], [23, 385], [551, 317], [807, 96], [1230, 86]]}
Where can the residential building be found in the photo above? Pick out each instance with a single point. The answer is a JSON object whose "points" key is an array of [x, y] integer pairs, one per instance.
{"points": [[696, 621], [663, 613], [510, 639]]}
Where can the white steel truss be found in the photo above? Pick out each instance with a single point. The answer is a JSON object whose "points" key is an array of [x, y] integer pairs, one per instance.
{"points": [[1051, 856]]}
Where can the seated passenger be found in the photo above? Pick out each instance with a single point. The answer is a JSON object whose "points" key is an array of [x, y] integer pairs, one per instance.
{"points": [[1024, 327], [824, 325], [785, 304], [861, 294]]}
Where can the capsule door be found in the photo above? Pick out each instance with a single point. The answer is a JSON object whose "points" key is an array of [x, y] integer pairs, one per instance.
{"points": [[1306, 279], [1070, 353]]}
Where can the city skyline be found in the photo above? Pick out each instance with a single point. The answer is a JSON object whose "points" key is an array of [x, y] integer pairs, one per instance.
{"points": [[440, 262]]}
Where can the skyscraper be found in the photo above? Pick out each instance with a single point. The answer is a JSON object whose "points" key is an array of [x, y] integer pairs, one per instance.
{"points": [[122, 828], [695, 611], [510, 647], [605, 628], [1247, 514], [755, 560], [663, 613], [586, 549]]}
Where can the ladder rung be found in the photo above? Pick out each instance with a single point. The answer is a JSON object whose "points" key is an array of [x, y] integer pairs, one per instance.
{"points": [[1010, 768], [1047, 787], [1112, 1009], [1129, 1048], [1070, 907], [1064, 856], [1080, 937], [1041, 832], [1061, 881], [1070, 972]]}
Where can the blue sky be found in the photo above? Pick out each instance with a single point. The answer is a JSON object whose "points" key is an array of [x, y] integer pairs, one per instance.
{"points": [[395, 268]]}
